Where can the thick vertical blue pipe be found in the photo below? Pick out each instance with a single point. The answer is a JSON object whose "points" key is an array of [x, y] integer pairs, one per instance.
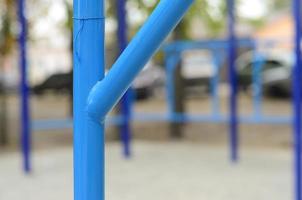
{"points": [[126, 99], [25, 121], [233, 121], [88, 38], [297, 72]]}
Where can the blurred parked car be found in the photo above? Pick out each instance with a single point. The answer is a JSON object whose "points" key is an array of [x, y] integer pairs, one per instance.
{"points": [[149, 78], [59, 83], [197, 70], [1, 87], [276, 70], [1, 83]]}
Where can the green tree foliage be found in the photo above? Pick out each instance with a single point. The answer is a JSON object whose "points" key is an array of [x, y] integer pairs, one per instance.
{"points": [[7, 19], [280, 4]]}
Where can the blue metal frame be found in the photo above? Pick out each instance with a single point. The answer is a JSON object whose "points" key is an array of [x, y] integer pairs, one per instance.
{"points": [[233, 124], [173, 52], [166, 15], [25, 118], [90, 111], [125, 104], [297, 73], [257, 84], [89, 68], [217, 62], [88, 54]]}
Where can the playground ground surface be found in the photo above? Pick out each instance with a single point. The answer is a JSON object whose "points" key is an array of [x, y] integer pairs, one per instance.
{"points": [[158, 170], [194, 168]]}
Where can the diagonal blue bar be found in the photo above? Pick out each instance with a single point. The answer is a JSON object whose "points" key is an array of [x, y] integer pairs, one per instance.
{"points": [[108, 91]]}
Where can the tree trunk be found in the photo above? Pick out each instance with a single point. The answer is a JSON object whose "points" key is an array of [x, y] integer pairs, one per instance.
{"points": [[3, 113], [176, 128]]}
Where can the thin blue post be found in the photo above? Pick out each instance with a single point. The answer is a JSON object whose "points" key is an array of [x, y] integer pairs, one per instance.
{"points": [[88, 38], [257, 84], [126, 99], [297, 72], [171, 61], [233, 121], [217, 59], [25, 118]]}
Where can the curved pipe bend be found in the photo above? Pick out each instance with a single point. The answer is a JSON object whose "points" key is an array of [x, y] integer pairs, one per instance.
{"points": [[106, 93]]}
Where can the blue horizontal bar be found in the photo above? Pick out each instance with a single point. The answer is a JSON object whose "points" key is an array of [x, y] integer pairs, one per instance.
{"points": [[52, 124], [56, 124], [180, 46]]}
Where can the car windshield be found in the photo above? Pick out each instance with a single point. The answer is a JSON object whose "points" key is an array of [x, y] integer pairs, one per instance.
{"points": [[266, 65]]}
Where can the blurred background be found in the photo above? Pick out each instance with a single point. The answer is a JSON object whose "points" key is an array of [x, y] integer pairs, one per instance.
{"points": [[170, 159]]}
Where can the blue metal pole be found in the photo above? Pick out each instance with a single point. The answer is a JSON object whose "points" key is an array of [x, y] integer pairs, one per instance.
{"points": [[126, 99], [257, 84], [233, 126], [297, 72], [107, 92], [88, 53], [25, 118], [217, 58], [171, 61]]}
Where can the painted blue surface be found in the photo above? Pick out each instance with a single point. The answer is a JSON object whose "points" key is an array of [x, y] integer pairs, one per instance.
{"points": [[180, 46], [125, 105], [297, 73], [107, 92], [173, 56], [257, 84], [233, 123], [173, 52], [59, 124], [25, 118], [218, 57], [89, 67], [88, 41], [52, 124], [171, 61]]}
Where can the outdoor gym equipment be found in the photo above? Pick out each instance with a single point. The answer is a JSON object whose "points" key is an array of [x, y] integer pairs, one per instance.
{"points": [[28, 125], [217, 49], [25, 123], [104, 95], [95, 95]]}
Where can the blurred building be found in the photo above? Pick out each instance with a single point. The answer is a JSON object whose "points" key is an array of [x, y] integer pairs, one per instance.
{"points": [[279, 27]]}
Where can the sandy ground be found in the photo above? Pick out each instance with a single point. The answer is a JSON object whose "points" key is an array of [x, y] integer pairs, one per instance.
{"points": [[173, 170], [195, 168]]}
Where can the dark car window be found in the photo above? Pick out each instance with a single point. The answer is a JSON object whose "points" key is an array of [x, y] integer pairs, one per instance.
{"points": [[268, 64], [271, 64]]}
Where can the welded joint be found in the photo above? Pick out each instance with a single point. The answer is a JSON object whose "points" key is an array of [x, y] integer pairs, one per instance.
{"points": [[91, 110], [82, 20]]}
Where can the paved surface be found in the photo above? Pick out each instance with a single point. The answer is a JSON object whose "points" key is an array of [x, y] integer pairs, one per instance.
{"points": [[158, 171]]}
